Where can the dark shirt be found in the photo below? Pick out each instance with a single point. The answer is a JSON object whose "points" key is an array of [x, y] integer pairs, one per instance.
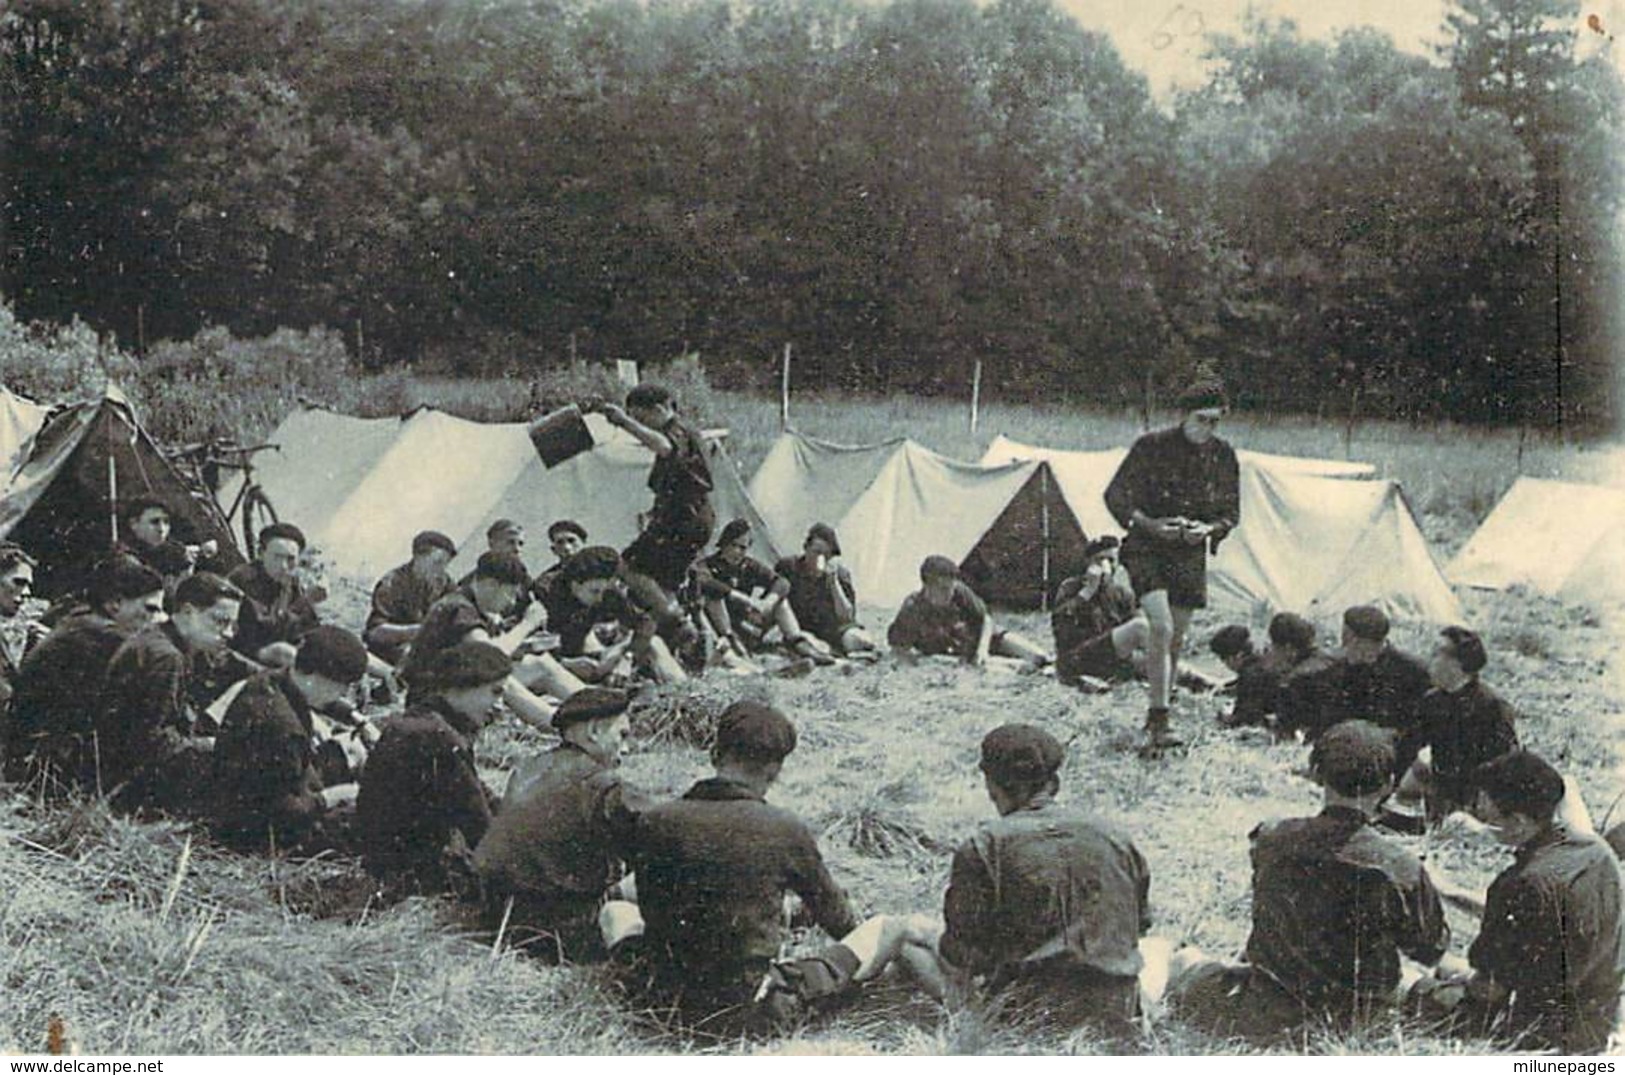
{"points": [[717, 578], [403, 598], [58, 692], [148, 710], [811, 598], [1388, 691], [1465, 728], [681, 479], [169, 559], [713, 868], [954, 628], [1258, 691], [447, 623], [271, 611], [1076, 619], [1044, 885], [419, 791], [268, 786], [1334, 903], [1311, 696], [562, 832], [1165, 475], [1552, 935], [573, 621]]}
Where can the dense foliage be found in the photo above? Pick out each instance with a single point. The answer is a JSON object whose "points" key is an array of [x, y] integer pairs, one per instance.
{"points": [[898, 190]]}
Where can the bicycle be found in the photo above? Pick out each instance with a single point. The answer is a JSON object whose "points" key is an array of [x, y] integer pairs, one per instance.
{"points": [[251, 509]]}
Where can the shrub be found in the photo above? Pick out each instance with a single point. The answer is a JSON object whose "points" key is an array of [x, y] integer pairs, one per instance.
{"points": [[60, 363]]}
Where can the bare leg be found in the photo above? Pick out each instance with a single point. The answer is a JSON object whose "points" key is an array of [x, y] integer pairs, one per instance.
{"points": [[1011, 644], [543, 674], [1132, 641], [1182, 622], [1159, 646], [656, 657], [526, 706], [855, 641], [878, 941]]}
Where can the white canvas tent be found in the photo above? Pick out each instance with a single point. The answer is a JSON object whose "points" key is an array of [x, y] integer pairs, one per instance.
{"points": [[361, 487], [20, 421], [893, 504], [1315, 535], [1556, 538]]}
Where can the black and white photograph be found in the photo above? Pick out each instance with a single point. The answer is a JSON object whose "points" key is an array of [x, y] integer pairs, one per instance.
{"points": [[874, 528]]}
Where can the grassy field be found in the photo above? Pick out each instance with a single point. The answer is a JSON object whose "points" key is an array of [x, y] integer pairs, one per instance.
{"points": [[142, 938]]}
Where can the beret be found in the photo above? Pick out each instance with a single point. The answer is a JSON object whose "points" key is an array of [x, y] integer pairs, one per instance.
{"points": [[467, 664], [938, 567], [755, 730], [567, 526], [1354, 757], [432, 539], [1291, 629], [1367, 621], [1230, 641], [590, 704], [1103, 544], [731, 533], [825, 533], [593, 562], [1020, 752], [332, 653], [1204, 395]]}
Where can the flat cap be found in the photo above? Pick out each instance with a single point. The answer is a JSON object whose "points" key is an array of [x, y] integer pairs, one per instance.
{"points": [[938, 567], [467, 664], [1232, 640], [756, 731], [332, 653], [1354, 757], [1021, 752], [593, 562], [825, 533], [1368, 622], [432, 539], [590, 704]]}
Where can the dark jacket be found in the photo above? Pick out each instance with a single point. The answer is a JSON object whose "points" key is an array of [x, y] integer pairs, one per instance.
{"points": [[573, 621], [813, 600], [421, 808], [1165, 475], [1388, 692], [681, 481], [952, 629], [448, 622], [562, 833], [1465, 728], [1552, 935], [268, 786], [1044, 885], [270, 611], [58, 692], [713, 868], [1076, 619], [1334, 903], [1258, 692], [1311, 697], [148, 711], [402, 598]]}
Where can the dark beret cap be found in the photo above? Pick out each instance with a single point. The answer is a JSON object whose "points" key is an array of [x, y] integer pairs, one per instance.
{"points": [[332, 653], [1468, 648], [1231, 640], [736, 529], [590, 704], [593, 562], [1354, 757], [467, 664], [756, 731], [825, 533], [1368, 622], [1204, 395], [1021, 752], [283, 532], [432, 539], [938, 567], [567, 526], [503, 567]]}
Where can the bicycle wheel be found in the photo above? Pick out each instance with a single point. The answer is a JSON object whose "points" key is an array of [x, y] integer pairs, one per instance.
{"points": [[258, 513]]}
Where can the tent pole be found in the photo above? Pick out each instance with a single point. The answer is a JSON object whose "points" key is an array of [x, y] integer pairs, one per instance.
{"points": [[1043, 522], [975, 395], [784, 391], [112, 489]]}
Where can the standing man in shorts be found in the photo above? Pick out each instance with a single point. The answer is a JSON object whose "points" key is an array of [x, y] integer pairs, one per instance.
{"points": [[1178, 494]]}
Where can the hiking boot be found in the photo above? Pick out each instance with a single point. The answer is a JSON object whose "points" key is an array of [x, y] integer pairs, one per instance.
{"points": [[1158, 736], [811, 650]]}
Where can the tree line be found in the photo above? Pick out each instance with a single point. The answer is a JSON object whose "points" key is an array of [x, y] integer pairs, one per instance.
{"points": [[900, 190]]}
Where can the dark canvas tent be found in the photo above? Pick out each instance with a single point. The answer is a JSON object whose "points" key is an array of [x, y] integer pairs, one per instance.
{"points": [[87, 459]]}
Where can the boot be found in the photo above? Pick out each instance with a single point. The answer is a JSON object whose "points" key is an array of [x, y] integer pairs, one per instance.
{"points": [[1158, 736]]}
